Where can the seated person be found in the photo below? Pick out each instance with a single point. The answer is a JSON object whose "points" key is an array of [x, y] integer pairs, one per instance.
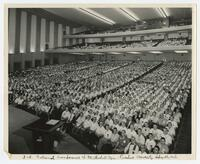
{"points": [[99, 132], [137, 124], [85, 128], [156, 150], [105, 139], [114, 137], [109, 121], [144, 119], [156, 132], [154, 117], [150, 143], [121, 144], [145, 130], [140, 140], [129, 122], [78, 123], [131, 132], [162, 120], [168, 138], [67, 116], [163, 148], [174, 123], [92, 138], [142, 150], [171, 130], [132, 147]]}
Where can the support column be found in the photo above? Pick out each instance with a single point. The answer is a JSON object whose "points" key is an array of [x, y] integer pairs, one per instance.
{"points": [[43, 35], [60, 35], [38, 33], [47, 32], [23, 32], [51, 35], [55, 35], [12, 30], [28, 36], [17, 33]]}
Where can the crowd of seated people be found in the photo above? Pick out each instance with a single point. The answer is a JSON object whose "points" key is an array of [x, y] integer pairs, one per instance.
{"points": [[80, 65], [67, 74], [137, 118], [132, 44], [54, 69], [112, 30], [127, 29], [173, 42], [41, 93], [117, 45], [92, 71], [140, 117]]}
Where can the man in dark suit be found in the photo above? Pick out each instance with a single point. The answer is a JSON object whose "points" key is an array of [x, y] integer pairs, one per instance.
{"points": [[129, 122]]}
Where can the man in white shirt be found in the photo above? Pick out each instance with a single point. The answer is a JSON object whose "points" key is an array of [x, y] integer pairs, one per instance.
{"points": [[92, 138], [177, 115], [105, 139], [122, 127], [132, 147], [150, 143], [145, 129], [143, 119], [140, 140], [154, 117], [109, 121], [137, 124], [19, 101], [168, 138], [114, 137], [100, 130], [67, 116], [171, 130], [31, 104], [174, 123], [131, 132], [157, 133], [94, 125], [87, 123]]}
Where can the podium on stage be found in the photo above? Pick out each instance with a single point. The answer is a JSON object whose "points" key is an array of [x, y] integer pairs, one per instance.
{"points": [[44, 132]]}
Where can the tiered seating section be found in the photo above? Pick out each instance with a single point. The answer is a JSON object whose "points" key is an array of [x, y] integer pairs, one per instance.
{"points": [[132, 44], [173, 42], [112, 107]]}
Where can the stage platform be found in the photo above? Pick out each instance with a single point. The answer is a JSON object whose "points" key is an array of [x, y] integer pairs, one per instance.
{"points": [[20, 140]]}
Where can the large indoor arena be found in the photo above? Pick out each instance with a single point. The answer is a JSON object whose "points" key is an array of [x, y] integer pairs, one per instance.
{"points": [[100, 80]]}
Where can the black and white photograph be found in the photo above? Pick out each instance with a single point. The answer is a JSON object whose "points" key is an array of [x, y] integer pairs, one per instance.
{"points": [[100, 79]]}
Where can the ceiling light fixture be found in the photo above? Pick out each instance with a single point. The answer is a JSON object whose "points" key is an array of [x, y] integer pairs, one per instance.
{"points": [[97, 16], [162, 12], [134, 52], [97, 53], [156, 52], [77, 53], [181, 52], [166, 11], [129, 14], [115, 53]]}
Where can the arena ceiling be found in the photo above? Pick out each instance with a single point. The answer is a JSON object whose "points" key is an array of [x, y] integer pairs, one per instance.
{"points": [[105, 17]]}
